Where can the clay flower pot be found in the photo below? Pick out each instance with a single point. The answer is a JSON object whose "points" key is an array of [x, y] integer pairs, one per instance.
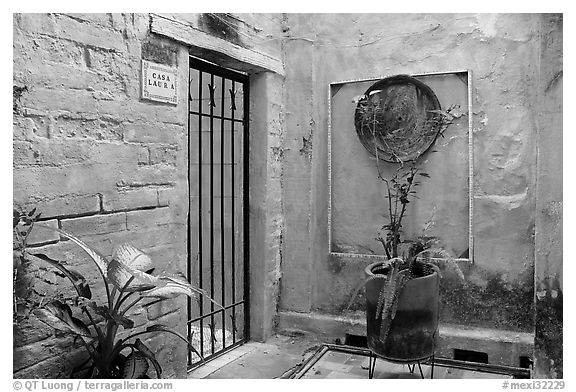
{"points": [[413, 332]]}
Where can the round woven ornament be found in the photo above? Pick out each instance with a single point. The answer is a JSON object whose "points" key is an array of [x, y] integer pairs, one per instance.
{"points": [[398, 118]]}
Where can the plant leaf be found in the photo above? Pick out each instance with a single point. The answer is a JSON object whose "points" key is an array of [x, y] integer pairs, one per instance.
{"points": [[15, 218], [119, 274], [134, 366], [132, 257], [173, 286], [150, 355], [59, 316], [75, 277], [98, 258], [104, 312]]}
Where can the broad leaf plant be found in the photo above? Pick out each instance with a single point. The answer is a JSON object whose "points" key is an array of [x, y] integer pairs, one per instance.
{"points": [[128, 282]]}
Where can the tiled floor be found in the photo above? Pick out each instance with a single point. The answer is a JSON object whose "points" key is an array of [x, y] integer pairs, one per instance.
{"points": [[281, 354], [334, 364], [256, 360]]}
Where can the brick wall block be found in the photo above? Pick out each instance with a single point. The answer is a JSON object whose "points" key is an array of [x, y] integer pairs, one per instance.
{"points": [[41, 235], [60, 151], [148, 177], [98, 224], [85, 128], [148, 219], [153, 132], [51, 100], [113, 66], [89, 34], [165, 197], [23, 153], [57, 76], [104, 20], [45, 49], [30, 331], [31, 354], [118, 153], [55, 367], [163, 154], [70, 205], [118, 22], [42, 182], [138, 198], [144, 111], [35, 23], [23, 129], [160, 236]]}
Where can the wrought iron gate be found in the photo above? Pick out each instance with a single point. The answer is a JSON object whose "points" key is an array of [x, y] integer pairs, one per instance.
{"points": [[217, 221]]}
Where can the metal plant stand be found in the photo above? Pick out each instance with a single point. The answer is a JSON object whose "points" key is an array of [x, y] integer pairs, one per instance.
{"points": [[411, 365], [301, 369]]}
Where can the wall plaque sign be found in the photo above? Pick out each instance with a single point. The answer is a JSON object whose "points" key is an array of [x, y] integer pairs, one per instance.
{"points": [[159, 82]]}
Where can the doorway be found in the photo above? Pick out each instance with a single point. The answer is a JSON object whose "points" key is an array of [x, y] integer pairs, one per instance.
{"points": [[217, 220]]}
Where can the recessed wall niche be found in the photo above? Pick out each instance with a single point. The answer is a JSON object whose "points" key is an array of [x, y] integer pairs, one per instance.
{"points": [[357, 208]]}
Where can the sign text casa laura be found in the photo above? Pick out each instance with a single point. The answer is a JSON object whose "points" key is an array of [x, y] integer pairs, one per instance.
{"points": [[159, 82]]}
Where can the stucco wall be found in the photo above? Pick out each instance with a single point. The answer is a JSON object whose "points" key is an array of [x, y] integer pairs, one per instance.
{"points": [[503, 52], [548, 237]]}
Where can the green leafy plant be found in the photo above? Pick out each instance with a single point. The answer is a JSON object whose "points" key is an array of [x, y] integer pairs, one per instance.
{"points": [[128, 283], [401, 189]]}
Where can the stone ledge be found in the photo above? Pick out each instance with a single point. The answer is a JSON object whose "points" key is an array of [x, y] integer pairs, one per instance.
{"points": [[503, 347]]}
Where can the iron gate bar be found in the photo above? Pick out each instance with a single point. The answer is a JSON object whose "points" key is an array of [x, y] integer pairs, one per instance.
{"points": [[205, 70], [200, 244], [245, 211], [218, 117], [232, 108], [222, 211], [227, 307], [211, 212]]}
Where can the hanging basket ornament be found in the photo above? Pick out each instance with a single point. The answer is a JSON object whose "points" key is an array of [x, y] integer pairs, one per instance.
{"points": [[398, 118]]}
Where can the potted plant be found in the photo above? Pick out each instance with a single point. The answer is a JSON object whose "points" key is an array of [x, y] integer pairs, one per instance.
{"points": [[398, 119], [113, 344]]}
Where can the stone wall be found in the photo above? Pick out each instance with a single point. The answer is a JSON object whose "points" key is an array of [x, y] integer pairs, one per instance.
{"points": [[98, 161], [102, 163]]}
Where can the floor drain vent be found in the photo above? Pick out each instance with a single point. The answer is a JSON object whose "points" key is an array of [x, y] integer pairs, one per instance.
{"points": [[470, 356], [356, 340], [525, 362]]}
